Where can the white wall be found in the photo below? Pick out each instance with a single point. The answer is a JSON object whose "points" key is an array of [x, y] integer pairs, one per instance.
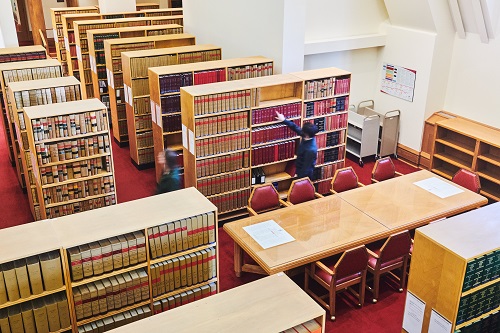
{"points": [[8, 35], [85, 3], [114, 6]]}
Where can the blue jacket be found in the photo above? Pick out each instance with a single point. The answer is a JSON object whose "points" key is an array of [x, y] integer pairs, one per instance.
{"points": [[306, 153]]}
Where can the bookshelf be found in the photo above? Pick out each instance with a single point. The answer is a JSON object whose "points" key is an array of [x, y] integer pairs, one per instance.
{"points": [[22, 71], [73, 166], [162, 94], [271, 304], [82, 47], [147, 5], [135, 77], [32, 93], [122, 258], [57, 25], [326, 104], [460, 143], [455, 270], [17, 54], [113, 50], [97, 56], [120, 18]]}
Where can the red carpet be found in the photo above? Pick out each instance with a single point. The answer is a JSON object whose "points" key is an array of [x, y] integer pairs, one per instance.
{"points": [[382, 317]]}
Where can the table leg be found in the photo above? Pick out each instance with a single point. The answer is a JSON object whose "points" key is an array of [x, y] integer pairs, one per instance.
{"points": [[238, 259]]}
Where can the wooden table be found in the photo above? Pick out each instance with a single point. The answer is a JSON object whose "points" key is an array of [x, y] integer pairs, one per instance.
{"points": [[333, 224], [399, 204]]}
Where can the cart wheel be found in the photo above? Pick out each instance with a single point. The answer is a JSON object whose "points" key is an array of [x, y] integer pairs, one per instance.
{"points": [[396, 156], [361, 163]]}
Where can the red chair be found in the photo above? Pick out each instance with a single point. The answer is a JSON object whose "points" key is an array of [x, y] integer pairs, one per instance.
{"points": [[336, 275], [392, 255], [467, 179], [302, 190], [384, 169], [345, 179], [264, 198]]}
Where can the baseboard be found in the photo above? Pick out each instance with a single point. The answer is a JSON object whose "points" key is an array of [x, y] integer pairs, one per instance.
{"points": [[408, 155]]}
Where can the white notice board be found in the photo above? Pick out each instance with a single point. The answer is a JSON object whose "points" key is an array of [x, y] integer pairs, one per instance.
{"points": [[398, 81]]}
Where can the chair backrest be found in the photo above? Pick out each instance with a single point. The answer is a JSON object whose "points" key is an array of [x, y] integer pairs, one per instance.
{"points": [[467, 179], [344, 179], [301, 190], [263, 198], [396, 246], [383, 169], [351, 262]]}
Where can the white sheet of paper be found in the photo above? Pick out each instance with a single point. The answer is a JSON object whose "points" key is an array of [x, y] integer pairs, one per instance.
{"points": [[439, 324], [125, 92], [414, 314], [130, 99], [153, 110], [438, 187], [191, 142], [268, 234], [159, 119], [184, 136]]}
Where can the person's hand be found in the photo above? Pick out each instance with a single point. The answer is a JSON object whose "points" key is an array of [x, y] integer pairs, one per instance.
{"points": [[279, 116]]}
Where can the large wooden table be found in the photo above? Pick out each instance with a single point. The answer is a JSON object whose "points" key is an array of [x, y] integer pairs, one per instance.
{"points": [[333, 224]]}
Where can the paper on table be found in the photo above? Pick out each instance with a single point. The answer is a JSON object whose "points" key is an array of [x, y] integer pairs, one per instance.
{"points": [[268, 234], [414, 314], [438, 187], [438, 323]]}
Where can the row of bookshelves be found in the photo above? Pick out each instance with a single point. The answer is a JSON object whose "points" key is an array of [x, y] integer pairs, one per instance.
{"points": [[77, 207], [273, 153], [481, 301], [273, 133], [171, 124], [488, 324], [229, 202], [222, 164], [183, 298], [84, 168], [223, 144], [220, 124], [80, 190], [224, 183], [482, 270], [116, 320], [230, 101]]}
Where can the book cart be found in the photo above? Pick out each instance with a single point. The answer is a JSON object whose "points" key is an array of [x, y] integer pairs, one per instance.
{"points": [[69, 33], [32, 93], [7, 56], [82, 47], [455, 270], [362, 135], [22, 71], [113, 50], [129, 266], [165, 83], [136, 83]]}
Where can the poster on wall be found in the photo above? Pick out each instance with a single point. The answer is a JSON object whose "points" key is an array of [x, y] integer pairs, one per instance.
{"points": [[398, 81]]}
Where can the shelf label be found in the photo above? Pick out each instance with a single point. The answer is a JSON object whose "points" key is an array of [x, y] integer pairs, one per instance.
{"points": [[414, 314], [93, 66], [78, 52], [112, 79], [438, 323], [191, 141], [184, 136], [66, 43], [125, 92], [158, 116], [108, 77], [153, 111], [130, 100], [56, 38]]}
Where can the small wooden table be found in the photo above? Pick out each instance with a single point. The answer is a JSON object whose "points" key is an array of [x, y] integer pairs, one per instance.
{"points": [[399, 204]]}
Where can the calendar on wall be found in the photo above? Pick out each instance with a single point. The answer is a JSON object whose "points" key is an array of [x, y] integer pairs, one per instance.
{"points": [[398, 81]]}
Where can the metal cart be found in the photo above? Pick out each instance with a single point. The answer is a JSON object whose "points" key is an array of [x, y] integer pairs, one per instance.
{"points": [[362, 135]]}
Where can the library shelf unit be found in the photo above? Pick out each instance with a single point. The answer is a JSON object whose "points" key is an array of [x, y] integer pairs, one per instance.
{"points": [[272, 304], [165, 83], [73, 166], [82, 42], [136, 82], [99, 77], [105, 21], [325, 103], [7, 56], [460, 143], [15, 72], [32, 93], [455, 269], [119, 96], [147, 5], [57, 26], [110, 272], [362, 135]]}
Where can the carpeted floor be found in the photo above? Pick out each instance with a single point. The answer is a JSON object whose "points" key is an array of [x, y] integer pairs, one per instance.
{"points": [[382, 317]]}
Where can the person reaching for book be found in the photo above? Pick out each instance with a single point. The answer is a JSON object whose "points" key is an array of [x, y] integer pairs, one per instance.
{"points": [[308, 150], [170, 179]]}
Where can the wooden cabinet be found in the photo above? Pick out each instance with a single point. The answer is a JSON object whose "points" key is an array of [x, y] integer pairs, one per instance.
{"points": [[108, 271], [165, 83], [22, 71], [32, 93], [460, 143], [455, 270]]}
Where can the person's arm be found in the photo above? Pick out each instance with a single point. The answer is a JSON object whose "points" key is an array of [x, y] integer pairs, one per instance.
{"points": [[289, 123]]}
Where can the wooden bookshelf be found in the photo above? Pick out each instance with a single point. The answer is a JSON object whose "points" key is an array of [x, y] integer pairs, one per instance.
{"points": [[73, 166], [428, 137], [7, 55], [193, 74], [57, 26], [97, 56], [455, 270], [135, 77], [21, 71], [32, 93], [113, 50], [147, 5], [70, 36], [136, 236], [460, 143], [271, 304]]}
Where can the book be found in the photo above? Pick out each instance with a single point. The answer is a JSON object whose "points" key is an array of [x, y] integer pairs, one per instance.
{"points": [[52, 313], [28, 318], [22, 278], [9, 274], [40, 316], [34, 274]]}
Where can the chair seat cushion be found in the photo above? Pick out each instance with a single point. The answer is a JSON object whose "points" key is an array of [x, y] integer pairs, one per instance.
{"points": [[328, 278], [372, 262]]}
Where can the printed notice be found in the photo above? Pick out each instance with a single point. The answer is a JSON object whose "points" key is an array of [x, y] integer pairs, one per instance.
{"points": [[438, 323], [268, 234], [414, 314], [191, 142], [159, 119], [184, 137], [398, 81], [153, 110], [438, 187]]}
